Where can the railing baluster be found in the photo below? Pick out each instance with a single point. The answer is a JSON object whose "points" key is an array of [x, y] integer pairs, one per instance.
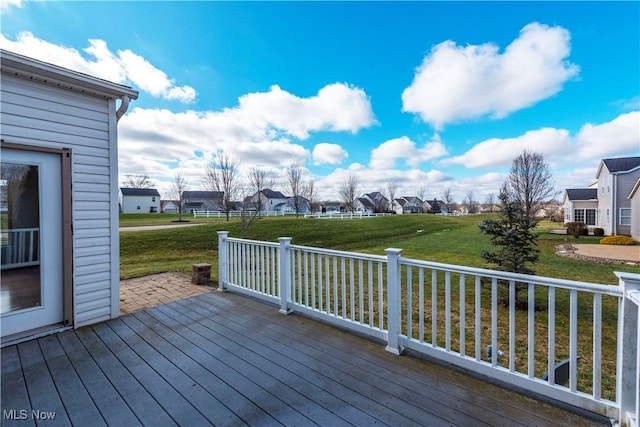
{"points": [[381, 296], [552, 336], [512, 325], [421, 301], [313, 280], [335, 285], [478, 325], [327, 281], [447, 310], [531, 349], [352, 291], [494, 322], [320, 284], [573, 332], [361, 289], [597, 346], [409, 305], [343, 270], [371, 314], [434, 308], [463, 306]]}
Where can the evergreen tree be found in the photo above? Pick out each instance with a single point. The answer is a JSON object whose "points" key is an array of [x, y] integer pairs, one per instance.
{"points": [[512, 237]]}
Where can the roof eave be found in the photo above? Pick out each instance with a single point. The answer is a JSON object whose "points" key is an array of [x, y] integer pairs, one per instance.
{"points": [[32, 69]]}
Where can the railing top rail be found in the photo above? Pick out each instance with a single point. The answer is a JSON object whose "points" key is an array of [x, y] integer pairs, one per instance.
{"points": [[14, 230], [614, 290], [368, 257], [252, 242]]}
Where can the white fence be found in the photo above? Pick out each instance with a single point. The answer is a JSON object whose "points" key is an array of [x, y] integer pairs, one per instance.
{"points": [[345, 215], [455, 314], [220, 214], [20, 247]]}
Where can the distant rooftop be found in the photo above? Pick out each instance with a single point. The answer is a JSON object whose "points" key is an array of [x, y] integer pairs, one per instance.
{"points": [[150, 192]]}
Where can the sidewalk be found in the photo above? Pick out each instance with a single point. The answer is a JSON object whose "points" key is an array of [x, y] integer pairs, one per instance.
{"points": [[613, 252]]}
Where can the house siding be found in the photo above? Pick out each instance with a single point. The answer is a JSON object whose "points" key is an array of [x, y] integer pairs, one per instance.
{"points": [[605, 209], [47, 116], [635, 212], [130, 204], [625, 183]]}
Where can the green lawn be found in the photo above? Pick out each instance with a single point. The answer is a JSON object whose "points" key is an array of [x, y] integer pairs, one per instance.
{"points": [[454, 240]]}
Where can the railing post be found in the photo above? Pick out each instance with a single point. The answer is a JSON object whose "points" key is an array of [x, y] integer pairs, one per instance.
{"points": [[628, 384], [284, 274], [223, 260], [393, 300]]}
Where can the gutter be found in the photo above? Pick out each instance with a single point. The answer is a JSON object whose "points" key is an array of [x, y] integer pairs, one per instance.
{"points": [[123, 107]]}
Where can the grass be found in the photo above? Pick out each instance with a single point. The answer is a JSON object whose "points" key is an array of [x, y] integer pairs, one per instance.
{"points": [[452, 240]]}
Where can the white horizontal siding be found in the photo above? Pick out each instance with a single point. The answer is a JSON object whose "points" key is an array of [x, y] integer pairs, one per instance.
{"points": [[41, 115]]}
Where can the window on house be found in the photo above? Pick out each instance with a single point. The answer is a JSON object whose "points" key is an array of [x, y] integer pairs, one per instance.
{"points": [[138, 208], [625, 216], [588, 216], [153, 199]]}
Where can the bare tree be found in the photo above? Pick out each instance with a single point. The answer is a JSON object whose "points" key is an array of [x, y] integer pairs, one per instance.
{"points": [[222, 175], [137, 181], [447, 200], [490, 202], [311, 193], [259, 180], [529, 182], [470, 203], [392, 188], [421, 193], [178, 187], [295, 178], [349, 192]]}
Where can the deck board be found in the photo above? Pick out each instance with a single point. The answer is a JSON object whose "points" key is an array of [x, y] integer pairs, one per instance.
{"points": [[224, 359]]}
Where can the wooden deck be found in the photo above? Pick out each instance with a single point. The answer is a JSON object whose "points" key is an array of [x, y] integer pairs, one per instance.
{"points": [[224, 359]]}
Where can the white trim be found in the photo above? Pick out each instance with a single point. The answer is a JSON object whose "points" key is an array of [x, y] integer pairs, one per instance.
{"points": [[114, 211]]}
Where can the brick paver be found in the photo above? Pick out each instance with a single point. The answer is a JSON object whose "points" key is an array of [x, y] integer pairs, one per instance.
{"points": [[156, 289]]}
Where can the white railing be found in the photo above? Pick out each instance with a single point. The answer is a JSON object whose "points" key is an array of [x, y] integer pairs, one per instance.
{"points": [[345, 215], [455, 314], [20, 247]]}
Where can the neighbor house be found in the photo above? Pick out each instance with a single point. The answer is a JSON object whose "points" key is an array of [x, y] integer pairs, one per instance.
{"points": [[269, 201], [373, 203], [60, 246], [202, 201], [634, 198], [407, 205], [608, 203], [140, 200], [616, 178], [169, 206], [581, 205]]}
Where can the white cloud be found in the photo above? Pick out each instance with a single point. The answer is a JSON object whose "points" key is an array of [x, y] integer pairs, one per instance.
{"points": [[457, 83], [325, 153], [617, 137], [5, 5], [386, 154], [336, 107], [123, 66], [498, 152]]}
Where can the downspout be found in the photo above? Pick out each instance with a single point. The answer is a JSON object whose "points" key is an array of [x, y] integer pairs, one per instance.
{"points": [[123, 107], [614, 204]]}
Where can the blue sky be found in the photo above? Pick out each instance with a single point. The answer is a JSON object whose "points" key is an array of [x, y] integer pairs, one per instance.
{"points": [[427, 95]]}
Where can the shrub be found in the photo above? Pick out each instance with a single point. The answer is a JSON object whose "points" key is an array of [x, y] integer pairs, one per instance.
{"points": [[598, 231], [617, 240], [576, 228]]}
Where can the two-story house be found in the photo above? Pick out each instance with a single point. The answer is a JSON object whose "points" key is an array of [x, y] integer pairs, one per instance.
{"points": [[140, 200], [608, 203], [202, 201]]}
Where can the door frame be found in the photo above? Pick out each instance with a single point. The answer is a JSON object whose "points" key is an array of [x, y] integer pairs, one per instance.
{"points": [[67, 224]]}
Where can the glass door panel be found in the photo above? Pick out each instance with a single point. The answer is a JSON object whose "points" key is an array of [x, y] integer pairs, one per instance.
{"points": [[20, 286]]}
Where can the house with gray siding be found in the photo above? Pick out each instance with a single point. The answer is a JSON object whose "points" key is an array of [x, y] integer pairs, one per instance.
{"points": [[634, 198], [59, 153], [616, 178]]}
